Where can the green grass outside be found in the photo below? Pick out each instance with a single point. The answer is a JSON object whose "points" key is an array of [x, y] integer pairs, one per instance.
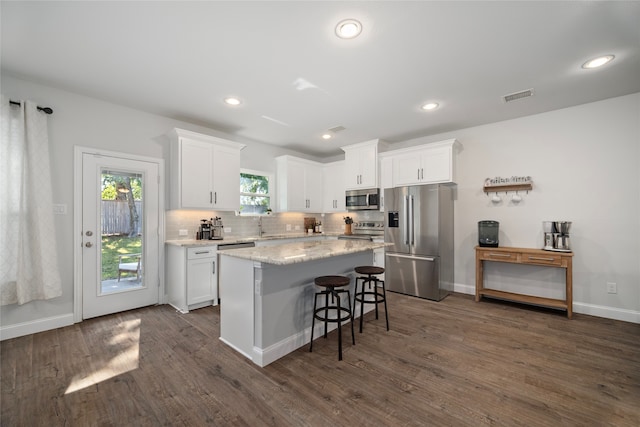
{"points": [[112, 246]]}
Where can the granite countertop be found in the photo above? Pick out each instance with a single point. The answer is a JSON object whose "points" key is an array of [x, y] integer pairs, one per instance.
{"points": [[227, 240], [302, 251]]}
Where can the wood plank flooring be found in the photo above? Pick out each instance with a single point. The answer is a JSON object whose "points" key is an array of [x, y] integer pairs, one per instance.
{"points": [[450, 363]]}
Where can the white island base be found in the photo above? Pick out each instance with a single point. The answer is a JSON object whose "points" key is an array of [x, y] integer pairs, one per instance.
{"points": [[266, 309]]}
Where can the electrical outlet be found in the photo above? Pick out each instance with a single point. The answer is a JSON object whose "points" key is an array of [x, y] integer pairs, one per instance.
{"points": [[288, 227], [183, 232], [612, 288], [60, 209], [227, 229], [297, 228]]}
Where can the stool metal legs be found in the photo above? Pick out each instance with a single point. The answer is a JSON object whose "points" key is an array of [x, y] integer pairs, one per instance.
{"points": [[377, 297], [342, 314]]}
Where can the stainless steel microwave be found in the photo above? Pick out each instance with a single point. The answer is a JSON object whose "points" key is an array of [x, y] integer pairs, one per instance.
{"points": [[360, 200]]}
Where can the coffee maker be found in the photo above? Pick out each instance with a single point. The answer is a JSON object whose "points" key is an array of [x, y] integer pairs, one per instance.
{"points": [[556, 236], [204, 233], [216, 228]]}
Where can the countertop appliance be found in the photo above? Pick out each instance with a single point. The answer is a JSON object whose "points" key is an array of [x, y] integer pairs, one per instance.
{"points": [[361, 200], [369, 230], [488, 232], [419, 226], [210, 230], [556, 236]]}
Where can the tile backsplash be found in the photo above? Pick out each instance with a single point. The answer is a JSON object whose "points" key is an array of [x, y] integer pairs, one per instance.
{"points": [[247, 226]]}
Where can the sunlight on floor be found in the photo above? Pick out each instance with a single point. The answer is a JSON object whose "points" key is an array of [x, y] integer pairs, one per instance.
{"points": [[127, 337]]}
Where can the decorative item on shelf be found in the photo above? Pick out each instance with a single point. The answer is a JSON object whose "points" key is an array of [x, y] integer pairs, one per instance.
{"points": [[347, 225], [514, 183]]}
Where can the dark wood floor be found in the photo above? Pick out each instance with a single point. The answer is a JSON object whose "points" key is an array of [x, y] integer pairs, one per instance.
{"points": [[454, 362]]}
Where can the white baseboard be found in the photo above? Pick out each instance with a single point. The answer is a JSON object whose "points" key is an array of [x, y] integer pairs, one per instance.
{"points": [[464, 289], [263, 356], [33, 327], [607, 312], [614, 313]]}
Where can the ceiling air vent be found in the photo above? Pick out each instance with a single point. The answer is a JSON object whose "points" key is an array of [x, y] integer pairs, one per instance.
{"points": [[518, 95], [337, 129]]}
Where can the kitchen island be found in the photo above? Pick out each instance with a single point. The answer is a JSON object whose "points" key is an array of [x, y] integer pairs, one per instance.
{"points": [[266, 293]]}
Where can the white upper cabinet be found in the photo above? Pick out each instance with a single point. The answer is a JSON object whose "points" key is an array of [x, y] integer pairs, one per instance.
{"points": [[386, 175], [361, 165], [334, 188], [299, 185], [205, 172], [427, 164]]}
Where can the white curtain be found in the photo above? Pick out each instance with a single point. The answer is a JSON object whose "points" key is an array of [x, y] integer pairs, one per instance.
{"points": [[28, 259]]}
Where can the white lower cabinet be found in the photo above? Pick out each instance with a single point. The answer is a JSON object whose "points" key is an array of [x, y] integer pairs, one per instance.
{"points": [[378, 260], [191, 277]]}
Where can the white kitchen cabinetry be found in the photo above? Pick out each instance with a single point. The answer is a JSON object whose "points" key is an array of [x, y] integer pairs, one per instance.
{"points": [[205, 172], [378, 260], [333, 187], [386, 177], [361, 165], [427, 164], [299, 185], [191, 277]]}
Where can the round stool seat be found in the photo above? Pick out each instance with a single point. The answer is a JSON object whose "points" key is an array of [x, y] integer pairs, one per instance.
{"points": [[369, 269], [331, 281]]}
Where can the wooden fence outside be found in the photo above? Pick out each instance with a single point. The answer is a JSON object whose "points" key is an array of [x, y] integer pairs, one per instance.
{"points": [[115, 217]]}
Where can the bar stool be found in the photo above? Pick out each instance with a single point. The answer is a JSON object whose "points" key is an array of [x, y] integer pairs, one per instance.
{"points": [[378, 298], [329, 285]]}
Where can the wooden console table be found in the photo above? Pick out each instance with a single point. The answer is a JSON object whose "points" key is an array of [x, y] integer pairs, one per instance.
{"points": [[529, 257]]}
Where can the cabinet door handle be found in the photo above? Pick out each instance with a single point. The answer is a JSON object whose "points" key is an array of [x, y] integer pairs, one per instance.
{"points": [[214, 267], [536, 258], [210, 196], [215, 197], [500, 255], [202, 252], [421, 173]]}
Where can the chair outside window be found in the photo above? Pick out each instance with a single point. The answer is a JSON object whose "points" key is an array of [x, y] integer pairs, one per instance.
{"points": [[129, 263]]}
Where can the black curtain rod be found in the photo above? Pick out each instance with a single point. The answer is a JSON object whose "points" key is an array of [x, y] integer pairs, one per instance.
{"points": [[45, 110]]}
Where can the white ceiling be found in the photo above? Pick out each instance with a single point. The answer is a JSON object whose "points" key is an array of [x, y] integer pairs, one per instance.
{"points": [[180, 59]]}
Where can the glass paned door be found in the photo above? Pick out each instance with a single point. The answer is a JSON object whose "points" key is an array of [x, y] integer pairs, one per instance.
{"points": [[120, 233]]}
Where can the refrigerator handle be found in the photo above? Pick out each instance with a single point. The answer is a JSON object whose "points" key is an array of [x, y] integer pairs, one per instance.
{"points": [[405, 226], [411, 213]]}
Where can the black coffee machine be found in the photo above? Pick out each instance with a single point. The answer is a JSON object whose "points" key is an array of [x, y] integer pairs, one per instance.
{"points": [[204, 233], [488, 233]]}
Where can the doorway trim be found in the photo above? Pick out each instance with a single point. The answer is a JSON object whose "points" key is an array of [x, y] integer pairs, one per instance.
{"points": [[79, 152]]}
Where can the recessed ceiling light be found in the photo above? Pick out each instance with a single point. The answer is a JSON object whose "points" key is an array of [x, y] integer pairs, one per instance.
{"points": [[327, 136], [430, 106], [232, 101], [598, 62], [348, 29]]}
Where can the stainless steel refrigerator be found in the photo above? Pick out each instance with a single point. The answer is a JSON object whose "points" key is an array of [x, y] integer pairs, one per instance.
{"points": [[419, 226]]}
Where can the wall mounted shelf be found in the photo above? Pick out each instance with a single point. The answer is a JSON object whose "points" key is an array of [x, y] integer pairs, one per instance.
{"points": [[505, 188]]}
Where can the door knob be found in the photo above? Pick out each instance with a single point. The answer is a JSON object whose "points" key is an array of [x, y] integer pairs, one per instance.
{"points": [[88, 244]]}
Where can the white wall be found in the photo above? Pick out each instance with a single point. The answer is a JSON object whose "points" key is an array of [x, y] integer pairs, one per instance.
{"points": [[585, 166], [585, 163], [89, 122]]}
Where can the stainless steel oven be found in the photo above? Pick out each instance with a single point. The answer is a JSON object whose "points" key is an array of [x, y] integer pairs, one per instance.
{"points": [[360, 200]]}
